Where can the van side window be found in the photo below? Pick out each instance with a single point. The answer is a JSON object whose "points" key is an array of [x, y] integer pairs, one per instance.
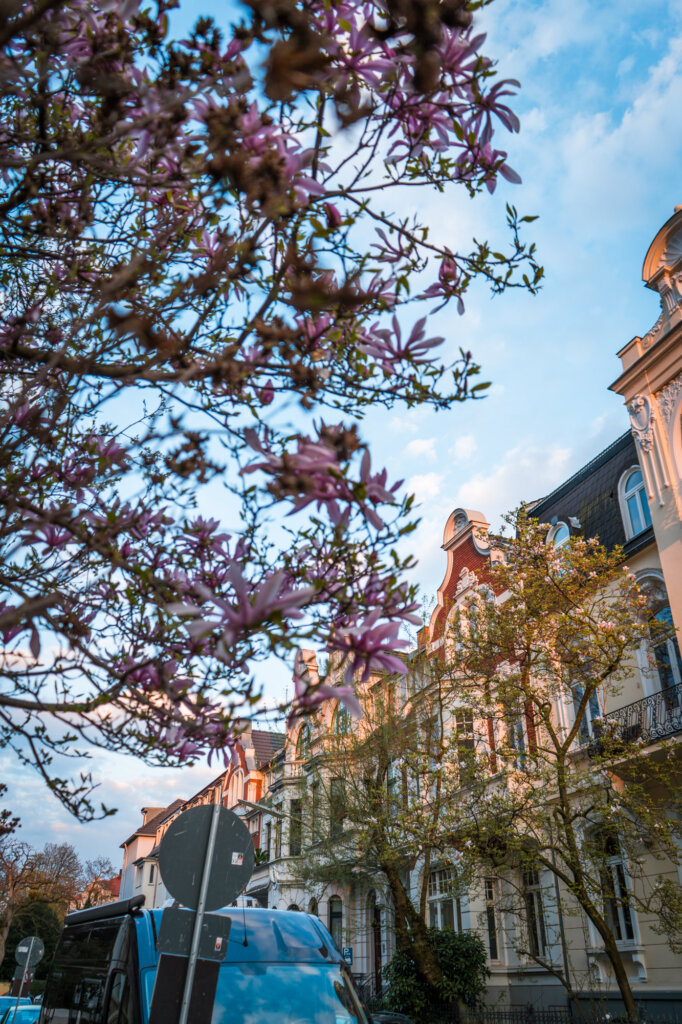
{"points": [[76, 987], [119, 1010]]}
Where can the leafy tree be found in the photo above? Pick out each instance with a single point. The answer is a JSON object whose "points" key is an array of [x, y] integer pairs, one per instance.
{"points": [[53, 877], [533, 668], [17, 865], [199, 252], [8, 822], [34, 918], [374, 805], [462, 960]]}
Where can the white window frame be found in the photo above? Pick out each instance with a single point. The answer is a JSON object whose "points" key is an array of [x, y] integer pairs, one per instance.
{"points": [[464, 728], [342, 720], [492, 917], [593, 713], [624, 496], [303, 742], [652, 683], [443, 903], [554, 531], [335, 919], [623, 910], [535, 915], [517, 739]]}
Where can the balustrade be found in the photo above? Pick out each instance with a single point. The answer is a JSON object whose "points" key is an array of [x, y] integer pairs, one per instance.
{"points": [[647, 720]]}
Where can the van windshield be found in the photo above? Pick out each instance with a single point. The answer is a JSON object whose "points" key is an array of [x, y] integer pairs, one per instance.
{"points": [[294, 993], [285, 994]]}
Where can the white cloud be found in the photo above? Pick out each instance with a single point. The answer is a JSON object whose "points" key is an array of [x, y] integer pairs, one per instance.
{"points": [[464, 447], [425, 485], [607, 162], [422, 448], [626, 65], [410, 420], [526, 472]]}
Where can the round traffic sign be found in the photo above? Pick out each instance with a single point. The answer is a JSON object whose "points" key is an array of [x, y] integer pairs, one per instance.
{"points": [[182, 856], [29, 951]]}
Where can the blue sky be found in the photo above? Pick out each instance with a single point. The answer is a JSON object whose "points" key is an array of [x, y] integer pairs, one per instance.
{"points": [[600, 152]]}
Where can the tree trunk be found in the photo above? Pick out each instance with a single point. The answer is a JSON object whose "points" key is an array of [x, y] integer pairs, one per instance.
{"points": [[580, 891], [616, 960], [4, 930], [412, 940]]}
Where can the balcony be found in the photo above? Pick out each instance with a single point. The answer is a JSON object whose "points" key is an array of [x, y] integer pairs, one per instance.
{"points": [[644, 721]]}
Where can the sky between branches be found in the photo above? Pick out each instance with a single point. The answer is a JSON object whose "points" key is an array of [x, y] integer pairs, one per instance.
{"points": [[599, 153]]}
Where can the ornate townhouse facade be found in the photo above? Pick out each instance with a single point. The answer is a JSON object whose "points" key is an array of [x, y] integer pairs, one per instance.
{"points": [[630, 495]]}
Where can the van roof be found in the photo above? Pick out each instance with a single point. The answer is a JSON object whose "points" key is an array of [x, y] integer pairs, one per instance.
{"points": [[274, 936], [256, 934]]}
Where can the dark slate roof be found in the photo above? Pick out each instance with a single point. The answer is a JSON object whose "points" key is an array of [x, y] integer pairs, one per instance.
{"points": [[591, 495], [266, 744], [151, 826]]}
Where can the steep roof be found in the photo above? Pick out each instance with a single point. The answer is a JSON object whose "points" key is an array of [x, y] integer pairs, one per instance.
{"points": [[266, 744], [591, 497], [113, 885], [149, 829]]}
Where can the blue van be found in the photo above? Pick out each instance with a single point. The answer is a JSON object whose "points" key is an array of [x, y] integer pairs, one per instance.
{"points": [[280, 967]]}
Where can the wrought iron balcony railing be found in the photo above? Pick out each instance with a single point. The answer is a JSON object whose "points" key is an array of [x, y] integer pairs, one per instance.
{"points": [[645, 721]]}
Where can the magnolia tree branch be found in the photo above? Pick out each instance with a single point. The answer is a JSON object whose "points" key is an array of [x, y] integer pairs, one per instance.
{"points": [[200, 251]]}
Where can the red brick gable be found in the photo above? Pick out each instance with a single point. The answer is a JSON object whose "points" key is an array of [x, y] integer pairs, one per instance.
{"points": [[465, 557], [465, 541]]}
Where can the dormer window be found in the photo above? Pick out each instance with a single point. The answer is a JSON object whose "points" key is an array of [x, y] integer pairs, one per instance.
{"points": [[634, 504], [559, 535]]}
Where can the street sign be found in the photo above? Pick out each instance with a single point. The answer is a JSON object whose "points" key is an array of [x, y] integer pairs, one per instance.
{"points": [[29, 951], [171, 983], [177, 928], [347, 954], [205, 859], [182, 855], [21, 982]]}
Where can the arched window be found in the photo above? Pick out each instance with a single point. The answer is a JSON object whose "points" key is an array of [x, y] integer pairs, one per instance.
{"points": [[559, 535], [666, 649], [634, 506], [342, 720], [312, 907], [293, 906], [303, 743], [336, 920]]}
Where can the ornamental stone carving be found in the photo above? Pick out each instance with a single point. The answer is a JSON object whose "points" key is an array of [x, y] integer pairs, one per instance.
{"points": [[467, 578], [642, 418], [667, 398], [461, 521], [651, 336]]}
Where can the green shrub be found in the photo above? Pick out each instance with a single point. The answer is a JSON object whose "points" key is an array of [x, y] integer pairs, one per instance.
{"points": [[463, 961]]}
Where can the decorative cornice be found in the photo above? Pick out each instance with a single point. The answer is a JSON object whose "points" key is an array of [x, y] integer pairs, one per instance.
{"points": [[667, 398], [642, 420]]}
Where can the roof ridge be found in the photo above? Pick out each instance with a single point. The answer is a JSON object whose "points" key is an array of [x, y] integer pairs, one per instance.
{"points": [[588, 465]]}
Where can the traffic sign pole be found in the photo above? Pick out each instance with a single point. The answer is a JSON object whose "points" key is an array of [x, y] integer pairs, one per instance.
{"points": [[23, 976], [199, 917]]}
